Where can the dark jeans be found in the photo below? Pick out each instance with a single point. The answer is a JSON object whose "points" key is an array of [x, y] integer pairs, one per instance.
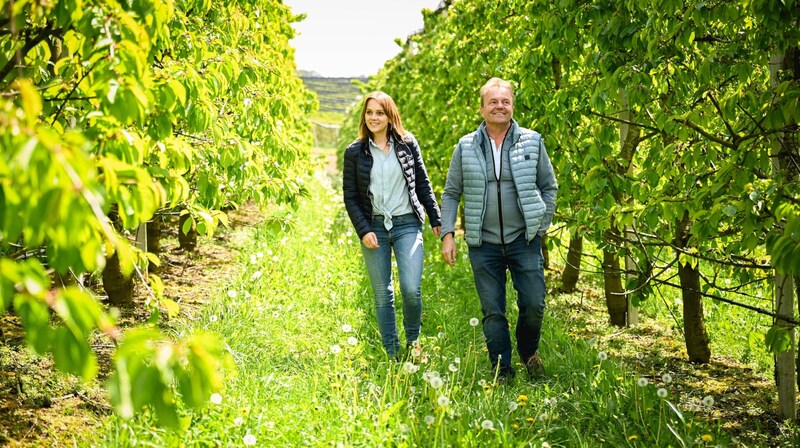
{"points": [[524, 261]]}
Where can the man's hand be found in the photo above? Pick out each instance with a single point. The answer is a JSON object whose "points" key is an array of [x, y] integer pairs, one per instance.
{"points": [[449, 249]]}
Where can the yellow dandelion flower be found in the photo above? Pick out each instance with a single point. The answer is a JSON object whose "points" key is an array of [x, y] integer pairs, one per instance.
{"points": [[707, 437], [439, 327], [633, 438], [522, 398], [515, 426], [529, 419]]}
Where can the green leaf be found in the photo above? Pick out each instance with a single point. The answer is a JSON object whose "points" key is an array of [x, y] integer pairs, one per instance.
{"points": [[778, 339]]}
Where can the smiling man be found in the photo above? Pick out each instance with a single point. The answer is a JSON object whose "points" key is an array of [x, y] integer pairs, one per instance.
{"points": [[509, 190]]}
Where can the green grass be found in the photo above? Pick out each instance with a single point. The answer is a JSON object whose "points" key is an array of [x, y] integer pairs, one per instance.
{"points": [[298, 320]]}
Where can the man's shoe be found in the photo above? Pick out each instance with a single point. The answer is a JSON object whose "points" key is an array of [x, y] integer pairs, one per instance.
{"points": [[534, 366]]}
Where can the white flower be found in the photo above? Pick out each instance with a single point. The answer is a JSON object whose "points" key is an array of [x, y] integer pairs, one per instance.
{"points": [[410, 367], [453, 368], [666, 378], [347, 328], [443, 401], [260, 254], [276, 314], [249, 440], [642, 382], [216, 398], [487, 424], [474, 321], [602, 356], [335, 349], [512, 406], [457, 360], [212, 318], [352, 340], [256, 275], [238, 421], [429, 419], [708, 401], [662, 393], [232, 293], [436, 382]]}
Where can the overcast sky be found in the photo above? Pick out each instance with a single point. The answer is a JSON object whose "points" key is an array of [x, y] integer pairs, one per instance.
{"points": [[348, 38]]}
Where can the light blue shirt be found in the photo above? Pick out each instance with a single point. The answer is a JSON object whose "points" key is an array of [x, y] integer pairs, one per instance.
{"points": [[387, 186]]}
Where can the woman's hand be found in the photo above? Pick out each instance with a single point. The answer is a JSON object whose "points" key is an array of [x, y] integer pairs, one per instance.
{"points": [[370, 240]]}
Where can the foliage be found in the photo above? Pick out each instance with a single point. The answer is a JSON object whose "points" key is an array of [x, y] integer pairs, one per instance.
{"points": [[131, 108]]}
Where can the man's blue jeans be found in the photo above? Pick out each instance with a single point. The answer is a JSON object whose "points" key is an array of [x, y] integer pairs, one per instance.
{"points": [[405, 238], [525, 262]]}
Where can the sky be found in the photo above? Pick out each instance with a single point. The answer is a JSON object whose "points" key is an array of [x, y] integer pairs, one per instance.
{"points": [[350, 38]]}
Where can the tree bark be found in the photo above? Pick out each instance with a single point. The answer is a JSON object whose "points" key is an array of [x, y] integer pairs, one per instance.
{"points": [[118, 288], [694, 326], [616, 301], [569, 278]]}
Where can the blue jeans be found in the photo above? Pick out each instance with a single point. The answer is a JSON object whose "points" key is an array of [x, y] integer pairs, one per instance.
{"points": [[406, 239], [525, 262]]}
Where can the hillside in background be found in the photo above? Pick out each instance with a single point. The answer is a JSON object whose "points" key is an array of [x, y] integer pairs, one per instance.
{"points": [[335, 94]]}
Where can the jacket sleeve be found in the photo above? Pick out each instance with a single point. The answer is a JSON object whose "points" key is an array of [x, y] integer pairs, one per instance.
{"points": [[453, 189], [548, 186], [424, 190], [350, 193]]}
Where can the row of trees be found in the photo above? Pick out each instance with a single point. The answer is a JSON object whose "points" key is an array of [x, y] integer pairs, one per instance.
{"points": [[673, 125], [111, 114]]}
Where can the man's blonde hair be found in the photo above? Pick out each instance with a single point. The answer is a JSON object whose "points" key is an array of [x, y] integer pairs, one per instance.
{"points": [[497, 82]]}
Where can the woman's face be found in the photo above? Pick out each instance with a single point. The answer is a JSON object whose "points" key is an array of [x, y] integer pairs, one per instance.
{"points": [[375, 117]]}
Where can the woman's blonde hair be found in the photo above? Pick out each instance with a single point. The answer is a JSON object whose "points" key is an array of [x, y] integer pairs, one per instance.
{"points": [[395, 128]]}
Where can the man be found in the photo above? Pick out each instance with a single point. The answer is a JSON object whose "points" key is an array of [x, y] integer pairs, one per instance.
{"points": [[509, 191]]}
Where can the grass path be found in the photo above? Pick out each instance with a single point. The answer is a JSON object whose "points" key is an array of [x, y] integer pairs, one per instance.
{"points": [[297, 320]]}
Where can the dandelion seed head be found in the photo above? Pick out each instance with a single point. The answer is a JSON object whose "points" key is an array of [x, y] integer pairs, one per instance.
{"points": [[347, 328], [213, 318], [642, 382], [666, 378], [216, 398], [436, 382], [249, 440], [352, 340], [335, 349], [602, 356], [443, 401], [512, 406], [662, 393], [232, 293], [256, 275], [260, 254], [452, 368], [429, 419], [474, 321], [457, 360], [238, 421], [708, 401], [487, 425]]}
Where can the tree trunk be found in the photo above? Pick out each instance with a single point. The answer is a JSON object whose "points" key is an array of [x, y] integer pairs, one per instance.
{"points": [[154, 235], [616, 301], [784, 153], [569, 278], [118, 288], [694, 326], [629, 137], [188, 241]]}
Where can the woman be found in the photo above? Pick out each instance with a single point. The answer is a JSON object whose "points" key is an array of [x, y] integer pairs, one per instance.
{"points": [[387, 194]]}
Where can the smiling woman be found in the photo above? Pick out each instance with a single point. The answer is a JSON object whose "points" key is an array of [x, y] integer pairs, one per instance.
{"points": [[331, 43]]}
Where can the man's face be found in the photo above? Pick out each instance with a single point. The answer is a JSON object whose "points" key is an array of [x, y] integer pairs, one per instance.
{"points": [[498, 106]]}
